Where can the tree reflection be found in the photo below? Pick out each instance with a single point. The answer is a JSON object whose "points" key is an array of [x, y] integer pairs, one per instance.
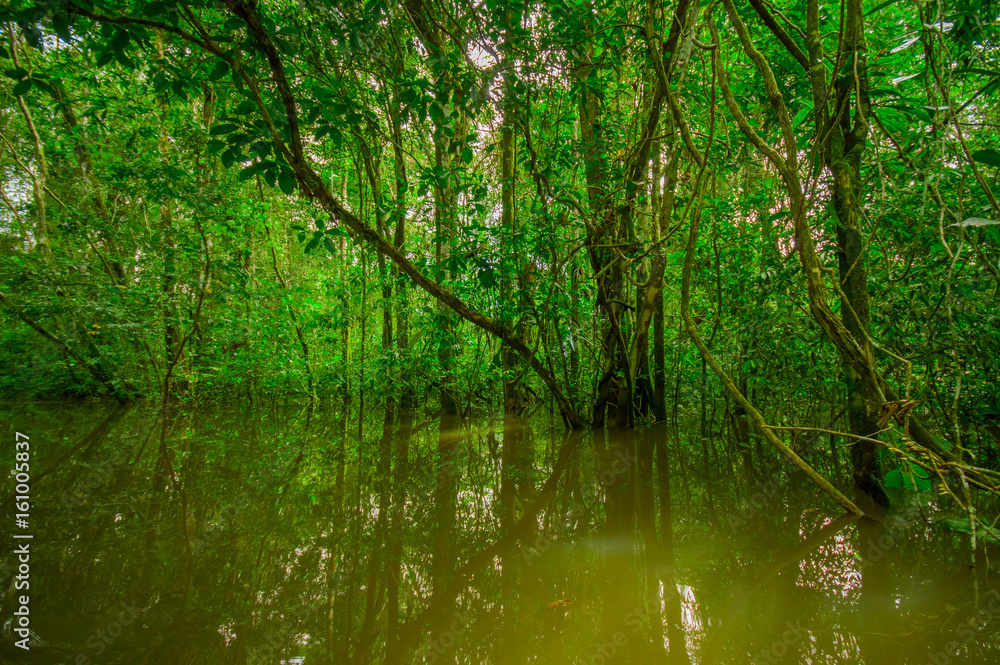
{"points": [[250, 537]]}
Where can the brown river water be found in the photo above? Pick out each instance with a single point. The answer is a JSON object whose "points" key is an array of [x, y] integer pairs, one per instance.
{"points": [[279, 535]]}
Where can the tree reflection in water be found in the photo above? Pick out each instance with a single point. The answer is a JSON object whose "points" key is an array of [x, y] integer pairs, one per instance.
{"points": [[278, 536]]}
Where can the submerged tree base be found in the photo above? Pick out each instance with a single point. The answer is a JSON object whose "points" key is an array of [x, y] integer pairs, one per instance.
{"points": [[457, 538]]}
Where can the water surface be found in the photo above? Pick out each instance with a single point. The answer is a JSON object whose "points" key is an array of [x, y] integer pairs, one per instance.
{"points": [[278, 534]]}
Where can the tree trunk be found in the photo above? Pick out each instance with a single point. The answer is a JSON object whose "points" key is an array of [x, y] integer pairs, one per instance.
{"points": [[847, 136], [510, 309], [168, 306], [296, 324]]}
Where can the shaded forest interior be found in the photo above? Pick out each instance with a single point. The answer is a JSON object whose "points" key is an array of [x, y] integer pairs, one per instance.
{"points": [[765, 232]]}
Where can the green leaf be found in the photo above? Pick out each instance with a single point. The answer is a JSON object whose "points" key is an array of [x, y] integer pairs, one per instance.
{"points": [[989, 157], [124, 60], [900, 79], [239, 140], [120, 40], [901, 479], [17, 73], [247, 173], [223, 128], [336, 136], [21, 88], [912, 110], [894, 480], [286, 181], [976, 221], [221, 69], [975, 70], [261, 148], [214, 146], [487, 277], [329, 245], [105, 58], [467, 155], [160, 82], [246, 107], [962, 525], [60, 23], [875, 93], [179, 90], [881, 6], [905, 44]]}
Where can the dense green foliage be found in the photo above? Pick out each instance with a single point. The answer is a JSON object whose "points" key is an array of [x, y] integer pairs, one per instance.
{"points": [[210, 200], [768, 230]]}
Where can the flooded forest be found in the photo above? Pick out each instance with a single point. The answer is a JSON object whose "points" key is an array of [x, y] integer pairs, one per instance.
{"points": [[575, 332]]}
